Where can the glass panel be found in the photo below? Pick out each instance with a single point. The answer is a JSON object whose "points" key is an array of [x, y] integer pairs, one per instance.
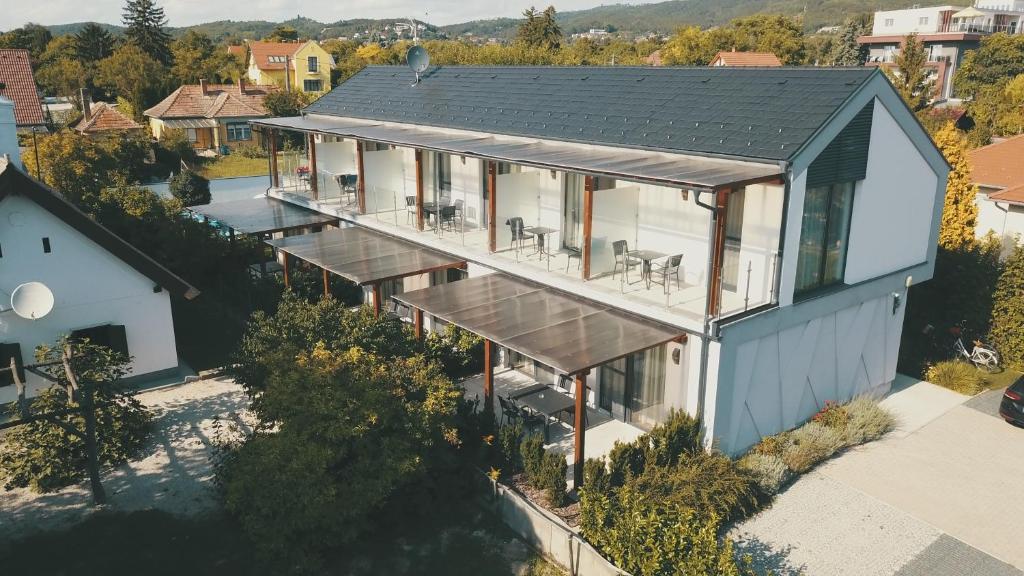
{"points": [[612, 388], [733, 234], [543, 373], [812, 238], [838, 232], [647, 388], [573, 217]]}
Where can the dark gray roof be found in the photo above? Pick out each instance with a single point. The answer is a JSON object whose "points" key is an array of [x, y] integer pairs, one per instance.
{"points": [[262, 215], [766, 113]]}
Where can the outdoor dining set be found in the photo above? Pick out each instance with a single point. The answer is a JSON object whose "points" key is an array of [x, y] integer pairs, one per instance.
{"points": [[537, 404]]}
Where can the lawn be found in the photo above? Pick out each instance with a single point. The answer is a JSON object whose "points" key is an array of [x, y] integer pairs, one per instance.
{"points": [[232, 166], [1002, 379]]}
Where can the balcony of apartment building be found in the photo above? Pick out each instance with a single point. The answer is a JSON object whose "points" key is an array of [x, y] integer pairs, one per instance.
{"points": [[986, 21], [668, 251]]}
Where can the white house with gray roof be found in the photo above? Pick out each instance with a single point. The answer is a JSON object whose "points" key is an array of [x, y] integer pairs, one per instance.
{"points": [[734, 242]]}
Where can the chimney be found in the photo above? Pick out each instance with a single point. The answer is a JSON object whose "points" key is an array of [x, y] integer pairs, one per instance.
{"points": [[202, 86], [86, 104], [241, 85]]}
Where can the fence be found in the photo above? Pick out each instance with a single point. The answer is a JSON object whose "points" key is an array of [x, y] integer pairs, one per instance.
{"points": [[545, 532]]}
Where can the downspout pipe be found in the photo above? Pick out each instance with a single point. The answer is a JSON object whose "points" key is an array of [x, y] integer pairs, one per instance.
{"points": [[705, 348]]}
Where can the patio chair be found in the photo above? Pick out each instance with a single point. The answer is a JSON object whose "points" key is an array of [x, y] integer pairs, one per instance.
{"points": [[573, 253], [460, 211], [447, 214], [509, 412], [622, 258], [528, 417], [410, 209], [565, 383], [515, 224], [663, 272]]}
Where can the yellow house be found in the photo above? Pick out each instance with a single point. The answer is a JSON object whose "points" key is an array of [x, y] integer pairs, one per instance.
{"points": [[300, 66]]}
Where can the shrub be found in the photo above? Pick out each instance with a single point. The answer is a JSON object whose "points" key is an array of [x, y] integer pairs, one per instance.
{"points": [[177, 143], [552, 481], [509, 438], [769, 471], [625, 461], [459, 352], [833, 415], [680, 434], [957, 376], [705, 483], [772, 445], [250, 151], [595, 475], [810, 444], [1008, 311], [531, 451], [867, 420], [189, 187]]}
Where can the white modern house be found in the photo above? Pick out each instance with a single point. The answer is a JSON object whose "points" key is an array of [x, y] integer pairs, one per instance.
{"points": [[769, 222], [102, 288]]}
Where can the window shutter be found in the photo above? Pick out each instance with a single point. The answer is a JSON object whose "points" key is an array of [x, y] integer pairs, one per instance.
{"points": [[6, 352], [845, 159]]}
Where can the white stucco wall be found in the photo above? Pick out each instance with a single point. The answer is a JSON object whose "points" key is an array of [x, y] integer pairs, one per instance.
{"points": [[892, 206], [909, 20], [90, 287], [1005, 220]]}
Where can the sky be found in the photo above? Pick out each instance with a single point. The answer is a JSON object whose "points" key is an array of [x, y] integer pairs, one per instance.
{"points": [[187, 12]]}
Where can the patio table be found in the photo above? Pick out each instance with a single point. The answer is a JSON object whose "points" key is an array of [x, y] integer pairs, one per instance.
{"points": [[540, 232], [547, 402], [526, 391], [646, 256]]}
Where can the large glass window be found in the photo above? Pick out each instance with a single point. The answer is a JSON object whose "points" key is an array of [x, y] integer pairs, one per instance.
{"points": [[824, 235], [312, 85], [633, 388], [239, 131]]}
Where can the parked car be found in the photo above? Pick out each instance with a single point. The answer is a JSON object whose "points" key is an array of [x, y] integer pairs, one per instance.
{"points": [[1012, 406]]}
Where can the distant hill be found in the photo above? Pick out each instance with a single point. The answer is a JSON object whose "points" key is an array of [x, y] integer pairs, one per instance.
{"points": [[62, 29], [663, 17]]}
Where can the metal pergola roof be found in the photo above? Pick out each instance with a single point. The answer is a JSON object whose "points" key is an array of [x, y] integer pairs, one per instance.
{"points": [[648, 165], [568, 333], [364, 256], [262, 215]]}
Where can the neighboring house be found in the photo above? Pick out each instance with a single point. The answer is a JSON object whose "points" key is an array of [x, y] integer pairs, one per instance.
{"points": [[947, 32], [18, 85], [298, 66], [103, 288], [654, 59], [734, 58], [213, 116], [102, 118], [240, 51], [786, 212], [998, 171]]}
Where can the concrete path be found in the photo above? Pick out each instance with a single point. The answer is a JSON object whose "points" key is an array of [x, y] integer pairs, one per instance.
{"points": [[935, 497]]}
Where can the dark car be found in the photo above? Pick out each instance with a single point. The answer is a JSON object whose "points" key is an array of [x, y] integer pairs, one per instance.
{"points": [[1012, 407]]}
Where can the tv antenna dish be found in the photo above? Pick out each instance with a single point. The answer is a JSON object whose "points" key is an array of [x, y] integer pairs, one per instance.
{"points": [[418, 60], [32, 300]]}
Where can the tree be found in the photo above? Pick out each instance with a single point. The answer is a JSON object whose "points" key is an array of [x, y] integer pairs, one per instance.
{"points": [[999, 58], [1008, 311], [132, 73], [145, 22], [283, 33], [31, 37], [190, 188], [93, 43], [540, 29], [910, 74], [777, 34], [849, 52], [960, 212], [191, 54], [689, 46], [49, 453], [282, 103]]}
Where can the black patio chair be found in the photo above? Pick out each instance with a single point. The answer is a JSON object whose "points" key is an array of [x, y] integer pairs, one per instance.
{"points": [[573, 253], [663, 272], [509, 412], [447, 214], [515, 224], [622, 258]]}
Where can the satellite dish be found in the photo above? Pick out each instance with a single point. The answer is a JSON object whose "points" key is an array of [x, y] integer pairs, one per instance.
{"points": [[32, 300], [418, 60]]}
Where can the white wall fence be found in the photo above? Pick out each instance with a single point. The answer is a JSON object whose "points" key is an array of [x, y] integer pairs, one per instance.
{"points": [[545, 532]]}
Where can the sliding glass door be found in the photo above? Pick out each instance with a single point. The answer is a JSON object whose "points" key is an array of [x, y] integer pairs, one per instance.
{"points": [[632, 389], [572, 225]]}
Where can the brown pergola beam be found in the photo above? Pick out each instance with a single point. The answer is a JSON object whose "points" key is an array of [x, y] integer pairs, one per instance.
{"points": [[417, 323], [718, 250], [327, 283], [376, 299], [360, 180], [579, 428], [492, 206], [313, 184], [588, 222], [489, 376], [275, 178], [284, 266], [419, 189]]}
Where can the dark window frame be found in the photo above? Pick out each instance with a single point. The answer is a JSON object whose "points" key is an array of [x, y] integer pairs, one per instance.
{"points": [[313, 85], [821, 286], [233, 128]]}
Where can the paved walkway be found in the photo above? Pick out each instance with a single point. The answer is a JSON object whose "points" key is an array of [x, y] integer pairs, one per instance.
{"points": [[935, 497]]}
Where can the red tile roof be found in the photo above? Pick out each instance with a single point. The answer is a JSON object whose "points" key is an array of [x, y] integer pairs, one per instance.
{"points": [[1013, 195], [20, 87], [746, 59], [219, 101], [104, 118], [262, 51], [998, 165], [239, 50]]}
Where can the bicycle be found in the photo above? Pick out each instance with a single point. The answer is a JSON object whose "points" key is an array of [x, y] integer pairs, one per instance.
{"points": [[983, 358]]}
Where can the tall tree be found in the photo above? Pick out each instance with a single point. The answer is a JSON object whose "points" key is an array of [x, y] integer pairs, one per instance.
{"points": [[93, 43], [31, 37], [133, 74], [910, 75], [960, 212], [848, 52], [689, 46], [145, 22], [540, 29], [283, 33], [191, 52], [1008, 311], [999, 58]]}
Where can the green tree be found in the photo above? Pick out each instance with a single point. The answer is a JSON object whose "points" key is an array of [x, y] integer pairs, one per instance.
{"points": [[44, 454], [145, 27], [31, 37], [283, 33], [93, 43], [689, 46], [190, 188], [132, 73], [910, 75], [999, 58], [191, 52], [1008, 311], [64, 77], [282, 103], [777, 34], [847, 51], [960, 211], [540, 29]]}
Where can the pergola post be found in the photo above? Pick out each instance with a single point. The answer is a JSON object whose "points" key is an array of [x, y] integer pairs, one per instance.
{"points": [[376, 299], [313, 184], [579, 428], [492, 206], [489, 376], [588, 222], [718, 250], [284, 267], [275, 178], [360, 180], [327, 283], [417, 323], [419, 189]]}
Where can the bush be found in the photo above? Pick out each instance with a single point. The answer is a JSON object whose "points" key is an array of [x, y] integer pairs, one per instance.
{"points": [[176, 142], [509, 437], [708, 484], [552, 481], [189, 187], [250, 151], [769, 471], [956, 375], [679, 435], [866, 421], [810, 444], [531, 451], [772, 445], [459, 352], [1008, 311], [833, 415]]}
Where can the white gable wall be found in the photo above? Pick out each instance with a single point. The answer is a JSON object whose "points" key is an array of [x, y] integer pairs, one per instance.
{"points": [[90, 286]]}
